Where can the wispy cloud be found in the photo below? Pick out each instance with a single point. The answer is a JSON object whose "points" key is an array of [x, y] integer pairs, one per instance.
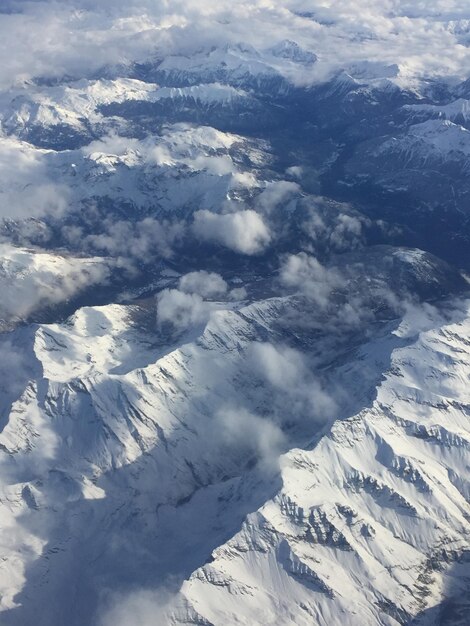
{"points": [[244, 231]]}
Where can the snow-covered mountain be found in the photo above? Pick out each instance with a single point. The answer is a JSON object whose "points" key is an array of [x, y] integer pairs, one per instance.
{"points": [[370, 525], [234, 315], [457, 111], [34, 281], [118, 444], [75, 113]]}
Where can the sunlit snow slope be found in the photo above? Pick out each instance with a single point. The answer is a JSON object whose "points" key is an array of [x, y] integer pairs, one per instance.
{"points": [[123, 465]]}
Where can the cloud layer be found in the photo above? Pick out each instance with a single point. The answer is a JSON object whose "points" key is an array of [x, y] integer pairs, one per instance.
{"points": [[243, 232], [421, 38]]}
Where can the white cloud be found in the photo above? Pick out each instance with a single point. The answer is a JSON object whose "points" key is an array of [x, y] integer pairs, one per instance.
{"points": [[205, 284], [142, 240], [296, 394], [282, 367], [141, 608], [243, 232], [26, 189], [15, 368], [32, 280], [261, 436], [331, 227], [307, 275], [180, 310], [239, 293], [420, 38], [277, 193]]}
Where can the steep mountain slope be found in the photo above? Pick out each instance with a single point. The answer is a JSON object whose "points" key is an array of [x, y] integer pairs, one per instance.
{"points": [[112, 438], [371, 524], [127, 461]]}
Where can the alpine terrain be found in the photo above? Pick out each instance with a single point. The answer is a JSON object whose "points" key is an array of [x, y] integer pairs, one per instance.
{"points": [[234, 313]]}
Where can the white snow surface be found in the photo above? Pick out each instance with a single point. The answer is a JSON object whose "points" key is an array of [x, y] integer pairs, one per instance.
{"points": [[184, 167], [436, 140], [30, 280], [459, 108], [176, 460], [78, 103], [352, 531], [114, 445]]}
